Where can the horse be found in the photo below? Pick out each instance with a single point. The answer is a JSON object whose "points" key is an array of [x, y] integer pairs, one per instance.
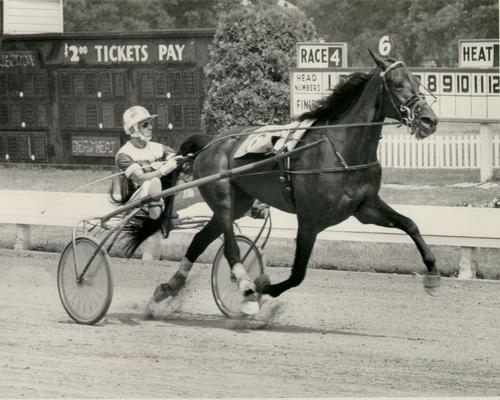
{"points": [[324, 186]]}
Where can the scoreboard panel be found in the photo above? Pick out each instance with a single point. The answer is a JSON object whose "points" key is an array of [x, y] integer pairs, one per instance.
{"points": [[461, 93], [322, 55], [478, 53]]}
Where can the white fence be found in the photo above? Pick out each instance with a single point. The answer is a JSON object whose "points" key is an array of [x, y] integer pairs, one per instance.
{"points": [[460, 150]]}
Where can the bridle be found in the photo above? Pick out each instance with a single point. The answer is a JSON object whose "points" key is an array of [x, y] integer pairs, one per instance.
{"points": [[406, 111]]}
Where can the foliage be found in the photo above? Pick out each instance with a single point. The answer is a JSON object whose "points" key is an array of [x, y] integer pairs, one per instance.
{"points": [[248, 72], [133, 15], [421, 30], [195, 13]]}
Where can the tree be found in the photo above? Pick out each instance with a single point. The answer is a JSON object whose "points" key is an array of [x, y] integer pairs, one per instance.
{"points": [[117, 15], [421, 30], [195, 13], [248, 72], [359, 23], [133, 15]]}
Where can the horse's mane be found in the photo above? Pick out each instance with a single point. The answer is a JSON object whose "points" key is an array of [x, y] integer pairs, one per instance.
{"points": [[341, 99]]}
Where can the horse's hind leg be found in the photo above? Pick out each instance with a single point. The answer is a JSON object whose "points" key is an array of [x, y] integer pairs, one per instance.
{"points": [[201, 240], [378, 212], [199, 243]]}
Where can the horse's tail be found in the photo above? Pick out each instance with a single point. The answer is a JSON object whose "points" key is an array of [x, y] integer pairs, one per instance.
{"points": [[191, 147], [138, 232]]}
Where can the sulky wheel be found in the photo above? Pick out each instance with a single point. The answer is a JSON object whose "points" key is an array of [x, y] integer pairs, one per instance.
{"points": [[225, 289], [86, 300]]}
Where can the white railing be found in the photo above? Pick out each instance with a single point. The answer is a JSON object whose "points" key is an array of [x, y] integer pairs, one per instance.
{"points": [[459, 150], [397, 150], [496, 151]]}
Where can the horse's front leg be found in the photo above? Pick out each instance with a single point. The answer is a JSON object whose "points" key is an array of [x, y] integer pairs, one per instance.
{"points": [[250, 304], [305, 243], [378, 212], [228, 204]]}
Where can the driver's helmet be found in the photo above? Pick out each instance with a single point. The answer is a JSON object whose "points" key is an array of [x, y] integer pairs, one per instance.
{"points": [[132, 116]]}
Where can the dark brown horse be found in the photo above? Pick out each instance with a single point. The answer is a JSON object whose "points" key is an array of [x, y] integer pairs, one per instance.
{"points": [[327, 184]]}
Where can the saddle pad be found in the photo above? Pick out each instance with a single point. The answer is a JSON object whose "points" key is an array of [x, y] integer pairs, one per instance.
{"points": [[272, 138]]}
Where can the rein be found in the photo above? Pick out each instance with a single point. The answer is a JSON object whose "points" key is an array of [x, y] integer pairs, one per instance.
{"points": [[343, 168], [93, 183], [408, 108], [249, 131]]}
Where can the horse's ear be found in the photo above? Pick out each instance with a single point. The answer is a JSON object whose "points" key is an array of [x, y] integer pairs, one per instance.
{"points": [[379, 60]]}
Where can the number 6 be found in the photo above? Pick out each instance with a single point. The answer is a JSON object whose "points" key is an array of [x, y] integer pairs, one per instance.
{"points": [[384, 45]]}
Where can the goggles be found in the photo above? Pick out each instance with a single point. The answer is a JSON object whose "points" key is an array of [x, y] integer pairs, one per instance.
{"points": [[145, 124]]}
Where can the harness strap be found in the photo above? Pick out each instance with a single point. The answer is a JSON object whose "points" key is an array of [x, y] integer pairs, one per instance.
{"points": [[336, 169], [286, 180], [317, 171], [339, 156]]}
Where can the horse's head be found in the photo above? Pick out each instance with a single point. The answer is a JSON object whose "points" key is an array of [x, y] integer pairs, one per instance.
{"points": [[405, 102]]}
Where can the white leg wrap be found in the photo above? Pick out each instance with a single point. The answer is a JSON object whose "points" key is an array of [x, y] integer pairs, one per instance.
{"points": [[245, 283], [250, 304], [239, 271], [185, 266]]}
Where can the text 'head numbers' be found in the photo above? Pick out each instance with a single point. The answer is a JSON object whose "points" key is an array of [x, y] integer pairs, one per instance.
{"points": [[385, 45]]}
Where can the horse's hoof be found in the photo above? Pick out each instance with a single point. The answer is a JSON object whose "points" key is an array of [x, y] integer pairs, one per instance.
{"points": [[162, 292], [250, 305], [148, 313], [432, 282], [262, 282]]}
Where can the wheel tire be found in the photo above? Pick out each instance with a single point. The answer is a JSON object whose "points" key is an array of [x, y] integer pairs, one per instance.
{"points": [[88, 301], [225, 289]]}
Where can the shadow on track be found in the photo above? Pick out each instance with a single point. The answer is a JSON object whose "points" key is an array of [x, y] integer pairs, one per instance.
{"points": [[243, 325]]}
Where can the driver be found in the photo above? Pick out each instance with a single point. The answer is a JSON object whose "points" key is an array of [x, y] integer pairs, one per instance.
{"points": [[143, 161]]}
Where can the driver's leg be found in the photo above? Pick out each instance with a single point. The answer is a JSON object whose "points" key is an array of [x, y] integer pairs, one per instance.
{"points": [[155, 207]]}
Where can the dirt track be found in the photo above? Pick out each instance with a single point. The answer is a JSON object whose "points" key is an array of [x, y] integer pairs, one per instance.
{"points": [[338, 334]]}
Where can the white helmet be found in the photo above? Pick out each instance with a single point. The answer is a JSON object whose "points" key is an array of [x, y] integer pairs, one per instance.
{"points": [[132, 116]]}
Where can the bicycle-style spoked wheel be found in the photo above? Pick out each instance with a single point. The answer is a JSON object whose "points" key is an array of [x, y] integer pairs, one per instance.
{"points": [[225, 289], [86, 300]]}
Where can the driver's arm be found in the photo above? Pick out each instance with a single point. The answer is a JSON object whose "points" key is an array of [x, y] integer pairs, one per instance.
{"points": [[134, 170]]}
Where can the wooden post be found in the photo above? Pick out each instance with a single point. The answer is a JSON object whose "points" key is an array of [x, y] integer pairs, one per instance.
{"points": [[468, 263], [486, 153], [23, 237]]}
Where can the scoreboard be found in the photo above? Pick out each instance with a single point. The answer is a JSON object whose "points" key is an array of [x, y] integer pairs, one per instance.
{"points": [[461, 93], [464, 94]]}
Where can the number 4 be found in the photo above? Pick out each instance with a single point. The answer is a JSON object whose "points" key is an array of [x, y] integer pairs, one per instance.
{"points": [[335, 57]]}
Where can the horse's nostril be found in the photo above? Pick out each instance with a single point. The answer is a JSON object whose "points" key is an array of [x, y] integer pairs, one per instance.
{"points": [[428, 121]]}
